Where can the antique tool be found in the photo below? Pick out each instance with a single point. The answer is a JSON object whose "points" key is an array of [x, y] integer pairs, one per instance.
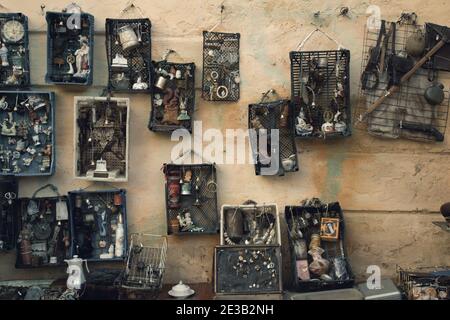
{"points": [[424, 128], [395, 88], [398, 64], [371, 71]]}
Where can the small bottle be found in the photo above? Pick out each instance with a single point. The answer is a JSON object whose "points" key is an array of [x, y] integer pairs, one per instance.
{"points": [[119, 237]]}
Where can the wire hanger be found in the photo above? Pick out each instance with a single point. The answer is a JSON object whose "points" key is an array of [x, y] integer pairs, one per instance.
{"points": [[302, 44], [222, 8], [129, 7]]}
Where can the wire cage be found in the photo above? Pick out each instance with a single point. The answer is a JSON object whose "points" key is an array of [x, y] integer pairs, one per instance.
{"points": [[70, 48], [425, 283], [101, 138], [220, 66], [320, 89], [250, 224], [15, 71], [191, 199], [305, 223], [266, 118], [247, 270], [407, 113], [96, 216], [173, 100], [145, 263], [8, 217], [27, 140], [43, 227], [128, 50]]}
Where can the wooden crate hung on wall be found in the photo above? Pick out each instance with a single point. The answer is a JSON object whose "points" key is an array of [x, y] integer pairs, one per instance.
{"points": [[44, 230], [128, 50], [99, 224], [267, 120], [14, 52], [191, 199], [221, 77], [320, 90], [101, 138], [70, 48], [27, 139]]}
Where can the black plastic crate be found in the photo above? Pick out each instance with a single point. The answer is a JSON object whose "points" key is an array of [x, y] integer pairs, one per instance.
{"points": [[320, 90], [15, 73], [173, 99], [247, 270], [200, 202], [95, 216], [27, 142], [424, 282], [333, 249], [130, 62], [263, 118], [221, 77], [67, 37], [8, 217], [44, 230]]}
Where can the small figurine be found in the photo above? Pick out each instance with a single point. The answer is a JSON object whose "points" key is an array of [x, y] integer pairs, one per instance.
{"points": [[9, 126], [3, 103], [4, 55], [82, 58], [139, 85]]}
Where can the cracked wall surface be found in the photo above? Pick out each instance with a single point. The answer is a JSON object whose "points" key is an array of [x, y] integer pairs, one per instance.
{"points": [[390, 190]]}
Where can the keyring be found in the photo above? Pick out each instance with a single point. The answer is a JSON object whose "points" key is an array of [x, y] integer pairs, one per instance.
{"points": [[224, 91], [214, 75]]}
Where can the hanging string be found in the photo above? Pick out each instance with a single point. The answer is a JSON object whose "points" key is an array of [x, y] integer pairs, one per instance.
{"points": [[130, 6], [301, 45], [222, 8]]}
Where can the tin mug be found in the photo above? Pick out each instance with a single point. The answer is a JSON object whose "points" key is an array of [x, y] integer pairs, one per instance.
{"points": [[128, 38]]}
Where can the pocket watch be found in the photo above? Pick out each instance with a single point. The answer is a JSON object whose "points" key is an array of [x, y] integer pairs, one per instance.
{"points": [[12, 31]]}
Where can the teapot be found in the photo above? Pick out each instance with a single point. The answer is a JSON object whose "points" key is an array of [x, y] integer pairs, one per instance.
{"points": [[435, 94], [76, 277]]}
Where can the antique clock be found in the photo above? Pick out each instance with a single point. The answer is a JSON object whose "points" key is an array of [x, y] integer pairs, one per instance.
{"points": [[12, 31]]}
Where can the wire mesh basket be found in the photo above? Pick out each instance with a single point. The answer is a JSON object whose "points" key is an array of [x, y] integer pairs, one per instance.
{"points": [[70, 48], [425, 283], [303, 223], [320, 89], [266, 118], [191, 199], [128, 50], [146, 262], [15, 73], [407, 113], [220, 66], [173, 100]]}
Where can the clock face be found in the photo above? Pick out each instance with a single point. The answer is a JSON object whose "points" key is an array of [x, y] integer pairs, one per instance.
{"points": [[13, 31]]}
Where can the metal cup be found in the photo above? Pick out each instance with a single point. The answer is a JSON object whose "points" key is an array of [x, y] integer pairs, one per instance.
{"points": [[128, 38]]}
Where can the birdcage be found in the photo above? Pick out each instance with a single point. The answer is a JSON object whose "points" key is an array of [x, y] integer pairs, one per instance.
{"points": [[145, 263]]}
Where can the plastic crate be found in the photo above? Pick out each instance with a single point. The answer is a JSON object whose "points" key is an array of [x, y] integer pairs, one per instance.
{"points": [[47, 230], [418, 283], [87, 233], [9, 191], [27, 150], [266, 214], [264, 117], [176, 93], [18, 54], [247, 270], [221, 77], [333, 249], [105, 139], [121, 77], [201, 203], [63, 40], [323, 78]]}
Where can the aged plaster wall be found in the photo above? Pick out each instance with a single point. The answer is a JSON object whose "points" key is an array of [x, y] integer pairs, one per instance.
{"points": [[391, 190]]}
